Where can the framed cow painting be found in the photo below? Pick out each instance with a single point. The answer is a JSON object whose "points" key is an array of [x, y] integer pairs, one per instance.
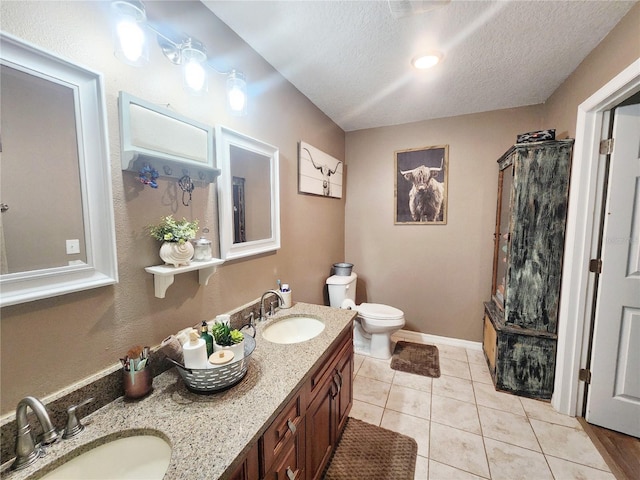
{"points": [[421, 185]]}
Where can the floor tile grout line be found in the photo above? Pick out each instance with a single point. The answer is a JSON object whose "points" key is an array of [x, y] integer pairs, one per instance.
{"points": [[578, 463], [484, 444]]}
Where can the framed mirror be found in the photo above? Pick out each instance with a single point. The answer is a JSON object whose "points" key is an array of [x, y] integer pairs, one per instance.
{"points": [[56, 226], [248, 195]]}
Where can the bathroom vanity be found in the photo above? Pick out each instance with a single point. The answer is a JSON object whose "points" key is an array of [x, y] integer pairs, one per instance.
{"points": [[283, 420]]}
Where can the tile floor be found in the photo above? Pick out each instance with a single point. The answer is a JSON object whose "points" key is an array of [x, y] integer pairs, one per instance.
{"points": [[466, 430]]}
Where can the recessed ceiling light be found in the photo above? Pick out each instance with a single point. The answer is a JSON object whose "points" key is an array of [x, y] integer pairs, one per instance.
{"points": [[426, 60]]}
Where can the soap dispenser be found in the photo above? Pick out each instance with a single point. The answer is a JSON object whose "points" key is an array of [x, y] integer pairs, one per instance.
{"points": [[195, 352], [208, 339]]}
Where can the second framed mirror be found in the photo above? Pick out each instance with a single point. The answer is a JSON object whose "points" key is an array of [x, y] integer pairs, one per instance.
{"points": [[249, 195]]}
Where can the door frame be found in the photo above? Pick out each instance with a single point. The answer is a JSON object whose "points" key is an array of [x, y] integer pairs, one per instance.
{"points": [[583, 221]]}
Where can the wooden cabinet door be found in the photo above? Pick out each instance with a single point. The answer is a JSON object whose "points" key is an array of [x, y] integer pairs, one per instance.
{"points": [[249, 468], [344, 398], [320, 427]]}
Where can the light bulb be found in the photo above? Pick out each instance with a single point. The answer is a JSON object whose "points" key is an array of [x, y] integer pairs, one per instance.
{"points": [[194, 76], [237, 99], [237, 93], [131, 40], [130, 20], [427, 60]]}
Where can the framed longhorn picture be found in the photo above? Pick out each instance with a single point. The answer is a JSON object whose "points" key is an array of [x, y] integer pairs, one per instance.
{"points": [[421, 185], [319, 173]]}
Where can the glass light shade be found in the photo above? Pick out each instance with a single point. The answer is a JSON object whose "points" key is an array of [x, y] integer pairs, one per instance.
{"points": [[427, 60], [237, 93], [129, 32], [193, 58]]}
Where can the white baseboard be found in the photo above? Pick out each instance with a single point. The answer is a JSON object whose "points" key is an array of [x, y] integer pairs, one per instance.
{"points": [[418, 337]]}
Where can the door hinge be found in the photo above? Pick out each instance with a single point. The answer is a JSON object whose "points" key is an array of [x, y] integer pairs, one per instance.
{"points": [[584, 375], [595, 265], [606, 146]]}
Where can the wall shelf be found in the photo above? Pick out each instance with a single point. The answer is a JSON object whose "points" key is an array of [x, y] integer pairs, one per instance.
{"points": [[163, 275]]}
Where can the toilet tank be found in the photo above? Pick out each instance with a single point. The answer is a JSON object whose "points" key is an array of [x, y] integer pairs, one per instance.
{"points": [[341, 288]]}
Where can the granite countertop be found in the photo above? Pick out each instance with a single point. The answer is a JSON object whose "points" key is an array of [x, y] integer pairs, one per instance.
{"points": [[208, 433]]}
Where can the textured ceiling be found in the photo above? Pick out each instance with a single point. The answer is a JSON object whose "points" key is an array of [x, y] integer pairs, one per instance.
{"points": [[352, 58]]}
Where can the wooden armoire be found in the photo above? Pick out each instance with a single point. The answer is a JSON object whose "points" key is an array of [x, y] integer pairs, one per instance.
{"points": [[521, 319]]}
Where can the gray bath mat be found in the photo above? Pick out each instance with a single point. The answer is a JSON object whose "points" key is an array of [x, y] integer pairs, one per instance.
{"points": [[368, 452], [416, 358]]}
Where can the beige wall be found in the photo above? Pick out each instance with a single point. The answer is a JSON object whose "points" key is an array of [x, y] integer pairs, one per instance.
{"points": [[49, 344], [616, 52], [439, 275]]}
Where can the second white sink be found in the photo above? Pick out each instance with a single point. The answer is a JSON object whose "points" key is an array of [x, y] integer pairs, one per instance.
{"points": [[293, 330]]}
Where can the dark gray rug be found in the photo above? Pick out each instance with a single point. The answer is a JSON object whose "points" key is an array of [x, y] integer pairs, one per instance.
{"points": [[416, 358], [368, 452]]}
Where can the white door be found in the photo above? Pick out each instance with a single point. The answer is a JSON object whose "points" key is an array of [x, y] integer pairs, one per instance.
{"points": [[614, 393]]}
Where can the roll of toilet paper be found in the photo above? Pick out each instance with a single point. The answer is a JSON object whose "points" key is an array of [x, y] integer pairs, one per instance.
{"points": [[348, 304]]}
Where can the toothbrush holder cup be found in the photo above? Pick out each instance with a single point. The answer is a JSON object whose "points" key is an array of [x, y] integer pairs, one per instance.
{"points": [[286, 296], [137, 383]]}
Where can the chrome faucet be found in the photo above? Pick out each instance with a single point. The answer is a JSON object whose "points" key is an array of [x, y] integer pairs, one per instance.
{"points": [[27, 451], [280, 302]]}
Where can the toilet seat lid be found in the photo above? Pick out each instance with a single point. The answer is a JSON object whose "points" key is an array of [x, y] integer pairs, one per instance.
{"points": [[379, 311]]}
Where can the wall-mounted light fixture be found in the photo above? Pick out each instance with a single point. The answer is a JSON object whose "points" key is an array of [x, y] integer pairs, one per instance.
{"points": [[128, 32], [131, 24]]}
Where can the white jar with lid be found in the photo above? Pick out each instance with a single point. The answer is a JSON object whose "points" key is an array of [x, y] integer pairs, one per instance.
{"points": [[202, 250]]}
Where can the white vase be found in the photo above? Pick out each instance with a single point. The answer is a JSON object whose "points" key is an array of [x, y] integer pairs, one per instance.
{"points": [[176, 254], [237, 349]]}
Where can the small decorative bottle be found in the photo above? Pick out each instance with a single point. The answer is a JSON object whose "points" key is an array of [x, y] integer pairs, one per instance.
{"points": [[208, 339]]}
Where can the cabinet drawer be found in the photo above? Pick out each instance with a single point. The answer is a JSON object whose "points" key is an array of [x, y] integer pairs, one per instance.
{"points": [[283, 428], [289, 465]]}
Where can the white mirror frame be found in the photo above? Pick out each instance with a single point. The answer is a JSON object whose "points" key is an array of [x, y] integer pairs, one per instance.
{"points": [[95, 178], [225, 139]]}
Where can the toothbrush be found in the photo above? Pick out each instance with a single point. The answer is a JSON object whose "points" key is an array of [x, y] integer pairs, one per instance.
{"points": [[279, 288]]}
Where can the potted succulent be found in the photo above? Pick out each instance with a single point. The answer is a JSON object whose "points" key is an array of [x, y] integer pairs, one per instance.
{"points": [[226, 337], [175, 235]]}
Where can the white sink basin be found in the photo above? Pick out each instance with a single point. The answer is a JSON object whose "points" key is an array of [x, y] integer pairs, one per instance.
{"points": [[293, 330], [132, 458]]}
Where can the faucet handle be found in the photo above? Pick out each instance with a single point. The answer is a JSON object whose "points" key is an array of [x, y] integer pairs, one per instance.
{"points": [[74, 427]]}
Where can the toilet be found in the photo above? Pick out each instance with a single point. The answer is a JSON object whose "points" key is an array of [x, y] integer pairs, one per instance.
{"points": [[375, 322]]}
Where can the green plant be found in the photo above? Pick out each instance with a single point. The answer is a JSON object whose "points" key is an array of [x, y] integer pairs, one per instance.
{"points": [[171, 230], [225, 336]]}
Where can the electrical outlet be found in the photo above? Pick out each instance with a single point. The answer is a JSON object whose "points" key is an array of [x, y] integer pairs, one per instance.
{"points": [[73, 246]]}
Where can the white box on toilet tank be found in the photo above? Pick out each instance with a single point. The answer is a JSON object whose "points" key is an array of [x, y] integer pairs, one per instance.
{"points": [[341, 288]]}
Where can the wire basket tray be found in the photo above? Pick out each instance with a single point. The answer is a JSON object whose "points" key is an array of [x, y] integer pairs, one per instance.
{"points": [[209, 380]]}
